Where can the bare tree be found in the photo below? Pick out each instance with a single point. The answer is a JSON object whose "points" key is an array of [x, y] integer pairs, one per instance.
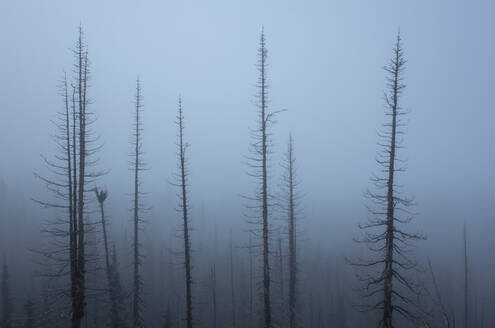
{"points": [[137, 167], [258, 162], [183, 207], [113, 294], [71, 173], [290, 199], [383, 233]]}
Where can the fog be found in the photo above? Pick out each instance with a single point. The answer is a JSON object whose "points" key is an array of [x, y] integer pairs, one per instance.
{"points": [[325, 75]]}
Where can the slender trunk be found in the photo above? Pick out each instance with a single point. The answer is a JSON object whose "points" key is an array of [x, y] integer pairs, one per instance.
{"points": [[79, 276], [264, 190], [187, 244], [136, 311], [292, 242], [389, 242]]}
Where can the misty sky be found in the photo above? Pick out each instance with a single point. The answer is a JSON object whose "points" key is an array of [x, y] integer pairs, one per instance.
{"points": [[325, 67]]}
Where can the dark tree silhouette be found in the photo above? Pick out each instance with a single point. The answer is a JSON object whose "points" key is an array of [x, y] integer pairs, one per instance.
{"points": [[258, 162], [71, 173], [6, 299], [290, 199], [183, 207], [113, 295], [383, 232], [137, 167]]}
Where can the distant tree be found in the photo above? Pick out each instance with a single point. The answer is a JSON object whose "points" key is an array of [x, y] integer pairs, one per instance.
{"points": [[258, 162], [383, 232], [213, 280], [446, 319], [30, 315], [182, 182], [137, 166], [290, 200], [6, 299]]}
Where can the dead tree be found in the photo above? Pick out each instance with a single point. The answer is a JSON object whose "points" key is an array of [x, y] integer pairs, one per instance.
{"points": [[259, 163], [137, 167], [71, 173], [183, 207], [383, 233], [115, 318], [290, 200]]}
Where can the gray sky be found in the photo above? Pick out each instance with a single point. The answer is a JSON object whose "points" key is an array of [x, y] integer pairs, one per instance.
{"points": [[325, 68]]}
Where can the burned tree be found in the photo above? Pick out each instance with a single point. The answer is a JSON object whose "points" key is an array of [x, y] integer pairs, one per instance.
{"points": [[383, 233], [259, 163], [113, 294], [71, 173], [290, 200], [183, 207], [137, 167]]}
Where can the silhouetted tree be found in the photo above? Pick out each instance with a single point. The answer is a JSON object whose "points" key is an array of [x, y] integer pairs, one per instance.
{"points": [[137, 166], [258, 162], [290, 201], [183, 207], [72, 173], [29, 322], [383, 232], [115, 318], [6, 299]]}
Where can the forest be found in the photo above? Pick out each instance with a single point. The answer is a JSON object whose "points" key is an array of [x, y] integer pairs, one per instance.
{"points": [[143, 199]]}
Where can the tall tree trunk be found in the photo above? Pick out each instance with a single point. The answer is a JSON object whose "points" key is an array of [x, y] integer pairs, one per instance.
{"points": [[79, 276], [184, 206], [264, 188], [389, 237], [292, 237], [136, 292]]}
